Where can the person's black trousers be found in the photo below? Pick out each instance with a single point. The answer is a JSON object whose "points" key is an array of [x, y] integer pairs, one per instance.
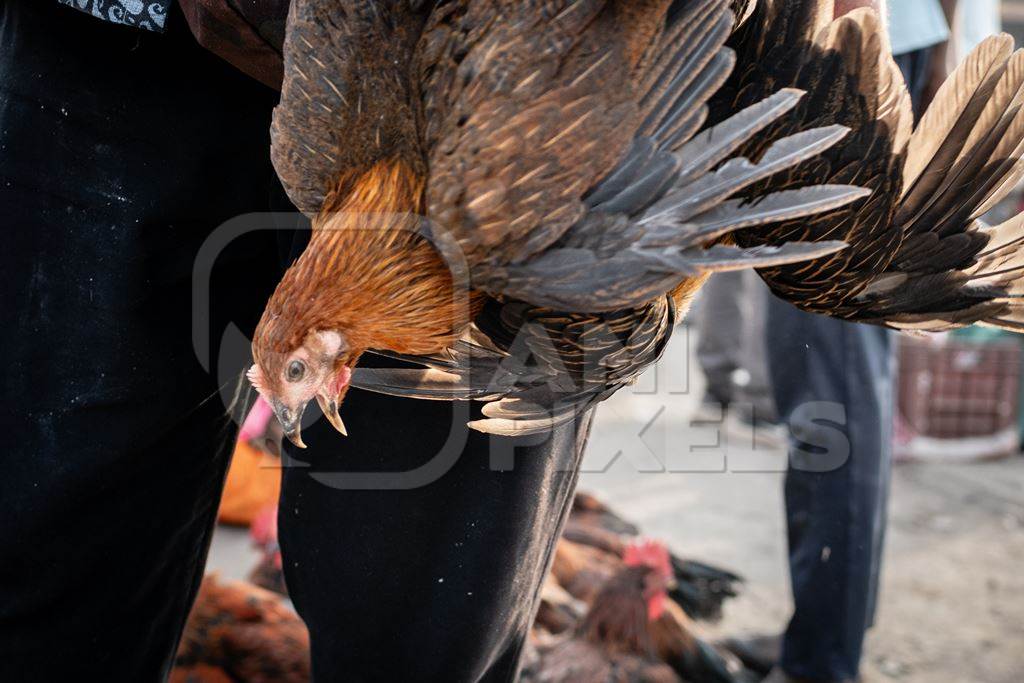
{"points": [[120, 153]]}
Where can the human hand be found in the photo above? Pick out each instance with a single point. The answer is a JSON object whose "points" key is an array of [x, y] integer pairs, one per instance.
{"points": [[247, 34]]}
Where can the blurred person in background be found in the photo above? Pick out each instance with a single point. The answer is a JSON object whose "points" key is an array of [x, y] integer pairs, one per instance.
{"points": [[971, 23], [832, 384], [730, 319]]}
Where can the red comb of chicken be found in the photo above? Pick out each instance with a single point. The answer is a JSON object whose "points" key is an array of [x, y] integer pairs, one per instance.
{"points": [[648, 553]]}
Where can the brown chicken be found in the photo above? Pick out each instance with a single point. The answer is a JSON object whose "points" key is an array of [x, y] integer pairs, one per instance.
{"points": [[243, 634], [507, 191], [700, 589], [592, 547], [584, 572], [589, 510], [614, 641], [515, 195]]}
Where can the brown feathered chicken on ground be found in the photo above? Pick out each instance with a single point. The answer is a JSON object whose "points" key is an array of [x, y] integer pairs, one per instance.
{"points": [[584, 571], [508, 192], [614, 641], [240, 633], [595, 546]]}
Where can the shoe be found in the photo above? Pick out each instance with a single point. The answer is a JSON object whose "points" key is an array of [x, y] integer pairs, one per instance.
{"points": [[760, 654]]}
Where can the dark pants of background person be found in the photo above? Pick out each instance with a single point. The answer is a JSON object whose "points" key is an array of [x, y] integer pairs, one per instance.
{"points": [[120, 152], [832, 383], [837, 486]]}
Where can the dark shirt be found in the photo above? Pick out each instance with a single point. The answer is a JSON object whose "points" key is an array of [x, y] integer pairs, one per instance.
{"points": [[147, 14]]}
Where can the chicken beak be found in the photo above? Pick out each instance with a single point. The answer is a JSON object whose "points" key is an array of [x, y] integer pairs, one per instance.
{"points": [[291, 422], [329, 407], [295, 436]]}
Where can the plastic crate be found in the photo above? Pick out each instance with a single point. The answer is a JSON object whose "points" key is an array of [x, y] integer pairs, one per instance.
{"points": [[957, 400]]}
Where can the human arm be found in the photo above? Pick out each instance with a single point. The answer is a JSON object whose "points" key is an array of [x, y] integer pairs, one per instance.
{"points": [[247, 34]]}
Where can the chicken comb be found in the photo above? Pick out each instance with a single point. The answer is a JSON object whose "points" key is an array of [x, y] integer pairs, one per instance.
{"points": [[649, 553]]}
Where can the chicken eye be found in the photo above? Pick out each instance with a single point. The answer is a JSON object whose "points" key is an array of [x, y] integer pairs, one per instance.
{"points": [[296, 370]]}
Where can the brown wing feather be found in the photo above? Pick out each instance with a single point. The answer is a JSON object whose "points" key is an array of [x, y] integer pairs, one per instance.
{"points": [[965, 155], [850, 79], [348, 100], [918, 258], [544, 109], [539, 228]]}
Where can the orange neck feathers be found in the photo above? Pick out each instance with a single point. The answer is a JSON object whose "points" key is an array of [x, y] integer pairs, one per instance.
{"points": [[617, 620], [367, 273]]}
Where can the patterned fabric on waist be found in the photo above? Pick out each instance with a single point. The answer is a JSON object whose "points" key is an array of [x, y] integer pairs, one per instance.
{"points": [[147, 14]]}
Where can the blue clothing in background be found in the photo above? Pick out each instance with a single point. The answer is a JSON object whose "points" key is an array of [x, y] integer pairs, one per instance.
{"points": [[916, 24], [832, 382]]}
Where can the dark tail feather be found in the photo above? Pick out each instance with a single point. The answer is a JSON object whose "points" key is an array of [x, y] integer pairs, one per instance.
{"points": [[701, 589], [705, 664]]}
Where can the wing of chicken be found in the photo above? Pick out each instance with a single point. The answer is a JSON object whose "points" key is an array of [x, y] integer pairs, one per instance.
{"points": [[555, 142], [919, 258], [582, 570], [518, 154], [558, 610]]}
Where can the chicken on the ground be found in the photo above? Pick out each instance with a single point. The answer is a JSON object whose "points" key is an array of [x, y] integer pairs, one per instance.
{"points": [[614, 641], [240, 633]]}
